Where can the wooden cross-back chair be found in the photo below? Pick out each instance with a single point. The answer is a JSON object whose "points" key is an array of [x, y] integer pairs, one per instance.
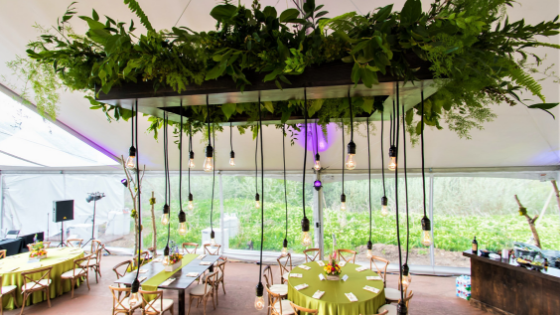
{"points": [[31, 285], [351, 258], [95, 264], [280, 289], [121, 304], [74, 242], [311, 254], [203, 292], [158, 305], [5, 290], [190, 250], [3, 253], [78, 272], [394, 295], [277, 305], [95, 246], [298, 309], [219, 268], [144, 257], [210, 249], [285, 263], [126, 264], [381, 265], [47, 244], [391, 308]]}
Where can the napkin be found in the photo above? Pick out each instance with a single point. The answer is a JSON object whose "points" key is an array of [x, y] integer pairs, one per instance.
{"points": [[318, 294], [345, 278], [371, 289], [140, 279], [167, 282], [321, 276], [304, 267], [360, 269], [205, 263], [143, 270], [192, 274], [320, 263], [341, 263], [157, 260], [351, 297], [201, 257], [374, 278], [296, 275], [301, 286]]}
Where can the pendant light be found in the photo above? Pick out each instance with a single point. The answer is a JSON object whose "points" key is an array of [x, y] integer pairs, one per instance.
{"points": [[405, 270], [231, 154], [393, 148], [259, 299], [285, 242], [208, 163], [190, 204], [132, 151], [317, 165], [257, 196], [165, 215], [342, 196], [212, 234], [182, 216], [401, 307], [350, 159], [369, 243], [306, 238], [134, 295], [384, 210], [426, 226]]}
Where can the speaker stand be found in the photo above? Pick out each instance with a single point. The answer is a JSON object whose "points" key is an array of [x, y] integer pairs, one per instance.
{"points": [[61, 234], [93, 229]]}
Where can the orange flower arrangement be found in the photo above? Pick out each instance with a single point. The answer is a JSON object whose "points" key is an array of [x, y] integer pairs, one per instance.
{"points": [[332, 268], [174, 258], [38, 250]]}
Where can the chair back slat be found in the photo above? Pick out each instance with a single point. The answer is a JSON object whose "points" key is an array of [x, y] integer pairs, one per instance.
{"points": [[118, 298], [45, 275], [311, 254], [285, 263], [349, 258], [210, 249], [125, 263], [3, 253], [381, 265], [267, 273], [190, 248], [274, 298], [78, 264], [150, 307], [298, 309], [71, 242]]}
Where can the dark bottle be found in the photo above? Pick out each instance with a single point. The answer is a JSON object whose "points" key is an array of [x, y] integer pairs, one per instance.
{"points": [[475, 246], [545, 264]]}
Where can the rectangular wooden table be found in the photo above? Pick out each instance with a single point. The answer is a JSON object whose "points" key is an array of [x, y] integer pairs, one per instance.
{"points": [[182, 282], [501, 287]]}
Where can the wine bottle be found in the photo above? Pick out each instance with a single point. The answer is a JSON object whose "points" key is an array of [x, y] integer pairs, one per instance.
{"points": [[475, 246]]}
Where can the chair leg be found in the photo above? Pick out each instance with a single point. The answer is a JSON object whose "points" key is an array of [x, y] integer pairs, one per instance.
{"points": [[73, 281], [49, 296], [190, 303], [223, 286], [87, 282], [214, 303], [204, 305], [96, 279], [23, 304]]}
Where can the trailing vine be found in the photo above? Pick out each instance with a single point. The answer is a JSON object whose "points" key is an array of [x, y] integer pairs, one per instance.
{"points": [[478, 57]]}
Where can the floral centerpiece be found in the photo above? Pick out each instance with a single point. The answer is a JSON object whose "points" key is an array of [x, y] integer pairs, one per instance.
{"points": [[38, 251], [173, 261], [332, 269]]}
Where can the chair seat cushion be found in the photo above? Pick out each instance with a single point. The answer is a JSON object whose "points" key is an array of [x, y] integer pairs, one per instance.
{"points": [[160, 305], [286, 276], [8, 288], [392, 294], [281, 289], [70, 273], [392, 309], [286, 307], [33, 285], [199, 289], [127, 305]]}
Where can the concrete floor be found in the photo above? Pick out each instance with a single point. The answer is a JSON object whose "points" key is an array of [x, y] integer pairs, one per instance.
{"points": [[432, 295]]}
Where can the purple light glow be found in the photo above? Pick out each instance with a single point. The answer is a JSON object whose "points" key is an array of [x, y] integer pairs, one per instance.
{"points": [[314, 134], [317, 183]]}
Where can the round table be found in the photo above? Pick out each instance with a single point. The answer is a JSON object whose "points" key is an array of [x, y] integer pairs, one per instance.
{"points": [[334, 301], [61, 260]]}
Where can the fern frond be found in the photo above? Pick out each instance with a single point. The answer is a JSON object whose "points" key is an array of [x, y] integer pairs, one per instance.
{"points": [[135, 7], [527, 81]]}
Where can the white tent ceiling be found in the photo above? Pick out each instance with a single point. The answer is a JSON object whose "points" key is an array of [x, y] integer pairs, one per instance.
{"points": [[518, 137]]}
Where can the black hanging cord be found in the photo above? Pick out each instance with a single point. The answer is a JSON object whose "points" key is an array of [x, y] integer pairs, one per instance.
{"points": [[343, 147], [316, 137], [390, 129], [305, 147], [351, 118], [382, 156], [369, 177], [256, 158], [166, 160], [422, 147], [190, 150], [285, 188], [208, 119], [230, 136], [181, 158], [397, 193], [132, 127], [394, 124], [213, 184], [262, 189], [138, 194], [405, 183]]}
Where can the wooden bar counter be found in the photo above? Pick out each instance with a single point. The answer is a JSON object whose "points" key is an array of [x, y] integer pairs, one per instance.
{"points": [[500, 287]]}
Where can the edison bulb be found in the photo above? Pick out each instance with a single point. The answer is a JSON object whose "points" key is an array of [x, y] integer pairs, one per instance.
{"points": [[213, 241], [257, 204], [306, 239], [343, 206], [182, 228], [191, 205], [191, 163], [406, 280], [369, 253], [207, 164], [317, 165], [134, 298], [165, 219], [232, 162], [259, 303], [426, 238], [284, 251], [350, 163], [384, 211], [165, 260], [393, 163], [130, 162]]}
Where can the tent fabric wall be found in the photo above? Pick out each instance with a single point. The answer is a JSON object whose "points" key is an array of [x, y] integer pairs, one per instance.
{"points": [[28, 199]]}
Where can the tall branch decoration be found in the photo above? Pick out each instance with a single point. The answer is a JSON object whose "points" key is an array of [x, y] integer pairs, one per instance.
{"points": [[530, 221]]}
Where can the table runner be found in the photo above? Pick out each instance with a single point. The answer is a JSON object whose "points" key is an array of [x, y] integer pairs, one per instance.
{"points": [[334, 301], [61, 259], [153, 283]]}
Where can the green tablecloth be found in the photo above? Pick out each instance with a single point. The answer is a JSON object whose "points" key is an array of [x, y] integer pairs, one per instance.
{"points": [[61, 259], [334, 302], [153, 283]]}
